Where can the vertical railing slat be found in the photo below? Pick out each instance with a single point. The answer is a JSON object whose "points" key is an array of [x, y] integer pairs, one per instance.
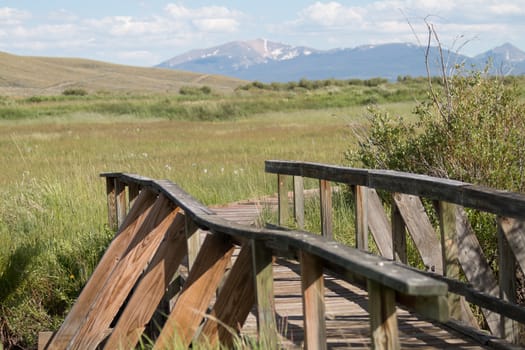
{"points": [[122, 202], [399, 239], [325, 191], [361, 217], [312, 285], [383, 319], [263, 279], [112, 203], [282, 198], [298, 200]]}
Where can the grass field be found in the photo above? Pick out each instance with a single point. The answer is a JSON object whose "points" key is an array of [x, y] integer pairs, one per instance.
{"points": [[53, 216]]}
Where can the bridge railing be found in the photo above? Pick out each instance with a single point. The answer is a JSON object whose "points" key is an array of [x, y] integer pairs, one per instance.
{"points": [[450, 251], [156, 223]]}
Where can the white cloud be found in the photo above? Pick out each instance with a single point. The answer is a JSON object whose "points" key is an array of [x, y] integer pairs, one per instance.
{"points": [[216, 24], [332, 14], [12, 16], [206, 18]]}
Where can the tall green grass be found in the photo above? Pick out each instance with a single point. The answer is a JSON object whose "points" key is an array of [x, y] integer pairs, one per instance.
{"points": [[52, 212]]}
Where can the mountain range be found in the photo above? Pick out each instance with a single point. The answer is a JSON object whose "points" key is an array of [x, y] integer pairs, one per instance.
{"points": [[268, 61]]}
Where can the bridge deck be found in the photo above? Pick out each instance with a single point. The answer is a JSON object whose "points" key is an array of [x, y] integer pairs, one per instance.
{"points": [[347, 318]]}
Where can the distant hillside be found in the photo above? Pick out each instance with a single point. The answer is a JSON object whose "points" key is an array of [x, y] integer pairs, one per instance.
{"points": [[268, 61], [21, 75]]}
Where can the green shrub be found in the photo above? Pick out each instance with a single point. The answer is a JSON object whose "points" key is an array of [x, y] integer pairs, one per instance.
{"points": [[74, 92]]}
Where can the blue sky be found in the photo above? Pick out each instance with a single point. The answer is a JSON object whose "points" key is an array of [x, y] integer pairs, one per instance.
{"points": [[145, 33]]}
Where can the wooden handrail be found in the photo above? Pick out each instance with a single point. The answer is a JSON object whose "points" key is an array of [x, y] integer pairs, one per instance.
{"points": [[153, 209], [443, 252]]}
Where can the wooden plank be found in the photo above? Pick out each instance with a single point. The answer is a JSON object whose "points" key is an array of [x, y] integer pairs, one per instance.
{"points": [[133, 193], [514, 231], [282, 196], [325, 191], [109, 260], [383, 319], [43, 339], [193, 240], [233, 304], [112, 203], [399, 238], [448, 215], [379, 224], [298, 200], [421, 231], [151, 288], [203, 280], [361, 217], [263, 279], [115, 291], [507, 284], [312, 286], [476, 268], [122, 201]]}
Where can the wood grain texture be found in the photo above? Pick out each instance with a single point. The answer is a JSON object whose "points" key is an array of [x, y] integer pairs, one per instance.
{"points": [[203, 280], [421, 231], [122, 279], [298, 200], [107, 264], [151, 288], [361, 217], [379, 225], [312, 285], [282, 190], [233, 304], [383, 319], [325, 192]]}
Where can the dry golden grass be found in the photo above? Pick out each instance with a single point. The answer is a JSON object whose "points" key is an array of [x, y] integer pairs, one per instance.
{"points": [[27, 76]]}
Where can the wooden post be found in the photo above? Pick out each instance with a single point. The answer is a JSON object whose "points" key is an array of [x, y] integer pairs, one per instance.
{"points": [[399, 239], [112, 203], [312, 285], [325, 192], [383, 319], [298, 200], [449, 247], [133, 193], [195, 297], [282, 199], [361, 217], [122, 204], [507, 285], [193, 240], [263, 275]]}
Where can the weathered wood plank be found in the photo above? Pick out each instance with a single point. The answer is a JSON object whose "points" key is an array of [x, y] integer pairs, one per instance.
{"points": [[399, 236], [133, 193], [112, 203], [263, 275], [421, 230], [110, 259], [193, 240], [379, 224], [361, 217], [195, 297], [312, 286], [383, 319], [448, 215], [233, 304], [298, 200], [475, 266], [325, 192], [117, 287], [122, 201], [507, 284], [514, 231], [282, 189], [151, 288]]}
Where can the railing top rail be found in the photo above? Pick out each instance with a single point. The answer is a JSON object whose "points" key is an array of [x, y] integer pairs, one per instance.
{"points": [[499, 202], [378, 269]]}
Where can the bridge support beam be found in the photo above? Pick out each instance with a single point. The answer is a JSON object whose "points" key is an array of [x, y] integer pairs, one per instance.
{"points": [[383, 319]]}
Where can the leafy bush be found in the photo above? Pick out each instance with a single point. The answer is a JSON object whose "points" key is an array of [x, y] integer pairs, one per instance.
{"points": [[74, 92]]}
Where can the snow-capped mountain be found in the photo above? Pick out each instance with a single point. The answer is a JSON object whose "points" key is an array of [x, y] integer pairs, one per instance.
{"points": [[269, 61], [236, 55]]}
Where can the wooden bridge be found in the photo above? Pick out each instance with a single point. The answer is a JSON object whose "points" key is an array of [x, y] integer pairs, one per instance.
{"points": [[179, 274]]}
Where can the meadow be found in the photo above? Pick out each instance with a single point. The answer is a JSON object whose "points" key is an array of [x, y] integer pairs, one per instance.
{"points": [[212, 143]]}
